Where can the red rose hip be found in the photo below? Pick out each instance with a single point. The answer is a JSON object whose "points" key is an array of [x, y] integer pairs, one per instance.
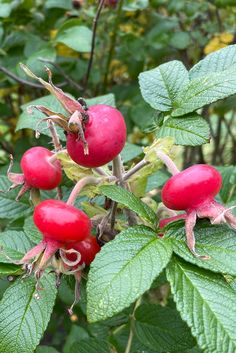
{"points": [[105, 134]]}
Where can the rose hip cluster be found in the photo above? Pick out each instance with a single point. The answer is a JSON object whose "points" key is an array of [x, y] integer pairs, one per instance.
{"points": [[95, 136]]}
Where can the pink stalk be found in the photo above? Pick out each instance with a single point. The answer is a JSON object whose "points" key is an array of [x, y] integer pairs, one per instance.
{"points": [[171, 166], [79, 186]]}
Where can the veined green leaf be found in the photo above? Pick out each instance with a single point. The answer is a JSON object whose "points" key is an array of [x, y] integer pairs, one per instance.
{"points": [[207, 303], [9, 208], [217, 61], [162, 329], [218, 242], [128, 199], [160, 86], [123, 270], [205, 90], [191, 130], [23, 317]]}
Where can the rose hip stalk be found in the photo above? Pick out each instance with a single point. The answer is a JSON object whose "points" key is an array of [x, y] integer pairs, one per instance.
{"points": [[193, 190], [39, 171]]}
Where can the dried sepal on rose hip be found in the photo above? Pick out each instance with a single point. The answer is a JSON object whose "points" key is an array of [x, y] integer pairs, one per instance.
{"points": [[193, 190], [95, 135], [40, 171]]}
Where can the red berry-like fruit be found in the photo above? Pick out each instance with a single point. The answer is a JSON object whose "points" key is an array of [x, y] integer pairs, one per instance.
{"points": [[105, 133], [38, 171], [61, 222], [60, 225], [191, 187], [193, 191], [88, 248]]}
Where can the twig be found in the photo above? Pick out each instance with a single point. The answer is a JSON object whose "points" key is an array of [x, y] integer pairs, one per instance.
{"points": [[131, 332], [135, 169], [63, 74], [95, 23], [24, 82], [113, 43]]}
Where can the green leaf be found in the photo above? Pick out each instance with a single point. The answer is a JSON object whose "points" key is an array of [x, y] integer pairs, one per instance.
{"points": [[130, 151], [207, 303], [134, 5], [92, 345], [218, 242], [217, 61], [123, 270], [14, 244], [10, 269], [205, 90], [108, 99], [180, 40], [78, 38], [46, 349], [5, 10], [128, 199], [229, 182], [61, 4], [162, 329], [191, 130], [160, 86], [9, 208], [76, 334], [32, 231], [23, 317]]}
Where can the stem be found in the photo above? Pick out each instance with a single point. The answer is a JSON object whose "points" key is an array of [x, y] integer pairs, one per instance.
{"points": [[113, 43], [55, 138], [79, 186], [171, 166], [117, 167], [95, 23], [24, 82], [135, 169], [131, 332]]}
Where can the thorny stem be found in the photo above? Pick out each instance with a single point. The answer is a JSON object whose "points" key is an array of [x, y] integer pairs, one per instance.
{"points": [[131, 332], [113, 43], [25, 82], [95, 23], [168, 162], [79, 186], [55, 138]]}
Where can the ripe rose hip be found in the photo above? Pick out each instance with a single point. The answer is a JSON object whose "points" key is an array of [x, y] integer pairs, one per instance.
{"points": [[88, 248], [191, 187], [193, 191], [60, 225], [38, 171], [105, 134]]}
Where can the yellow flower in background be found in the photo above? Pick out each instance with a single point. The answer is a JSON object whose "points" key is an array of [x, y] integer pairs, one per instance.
{"points": [[218, 41]]}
